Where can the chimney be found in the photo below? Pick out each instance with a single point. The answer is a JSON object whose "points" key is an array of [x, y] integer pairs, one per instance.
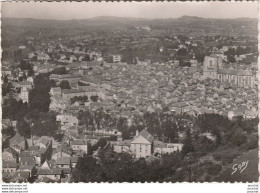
{"points": [[136, 133]]}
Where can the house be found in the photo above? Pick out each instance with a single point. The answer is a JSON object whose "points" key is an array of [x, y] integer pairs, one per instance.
{"points": [[61, 152], [26, 84], [63, 162], [116, 58], [79, 145], [54, 91], [6, 123], [122, 146], [166, 148], [74, 161], [43, 56], [21, 177], [36, 152], [10, 154], [141, 145], [6, 71], [30, 161], [9, 166], [67, 119], [26, 168], [54, 173], [24, 95], [18, 143], [48, 164]]}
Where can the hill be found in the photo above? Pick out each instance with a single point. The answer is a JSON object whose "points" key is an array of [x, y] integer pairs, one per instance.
{"points": [[250, 173]]}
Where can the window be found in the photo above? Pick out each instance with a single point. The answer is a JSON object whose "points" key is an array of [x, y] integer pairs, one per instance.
{"points": [[210, 63]]}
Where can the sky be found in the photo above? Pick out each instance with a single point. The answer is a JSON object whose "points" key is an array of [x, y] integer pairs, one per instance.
{"points": [[81, 10]]}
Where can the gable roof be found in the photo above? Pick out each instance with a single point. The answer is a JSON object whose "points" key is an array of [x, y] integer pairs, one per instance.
{"points": [[16, 139], [145, 134], [12, 151], [54, 171], [63, 161], [235, 72], [159, 144], [125, 143], [27, 161], [74, 159], [79, 142], [26, 168], [22, 174]]}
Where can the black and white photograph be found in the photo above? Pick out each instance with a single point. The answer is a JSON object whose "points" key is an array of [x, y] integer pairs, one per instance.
{"points": [[129, 92]]}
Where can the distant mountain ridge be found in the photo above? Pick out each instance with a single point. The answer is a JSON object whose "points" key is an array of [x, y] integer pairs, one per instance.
{"points": [[111, 18], [112, 21]]}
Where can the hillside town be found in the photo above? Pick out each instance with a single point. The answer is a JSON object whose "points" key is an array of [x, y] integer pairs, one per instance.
{"points": [[137, 91]]}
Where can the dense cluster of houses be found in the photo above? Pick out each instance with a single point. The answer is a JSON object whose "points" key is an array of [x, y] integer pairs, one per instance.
{"points": [[42, 159], [121, 89]]}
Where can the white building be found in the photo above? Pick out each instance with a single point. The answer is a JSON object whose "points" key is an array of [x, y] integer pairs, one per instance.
{"points": [[24, 95], [116, 58], [143, 145]]}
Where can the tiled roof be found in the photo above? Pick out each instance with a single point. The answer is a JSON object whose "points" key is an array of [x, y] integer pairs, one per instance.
{"points": [[22, 174], [55, 171], [235, 72], [26, 167], [144, 133], [66, 170], [9, 164], [16, 139], [124, 143], [56, 89], [63, 161], [159, 144], [79, 142], [27, 161], [12, 151], [74, 159]]}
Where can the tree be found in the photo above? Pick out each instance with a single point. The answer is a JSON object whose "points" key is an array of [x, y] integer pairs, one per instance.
{"points": [[122, 124], [94, 98], [24, 65], [231, 59], [23, 128], [8, 131], [187, 146], [65, 84], [45, 125], [39, 97], [6, 86], [87, 170], [14, 110], [238, 138], [61, 70]]}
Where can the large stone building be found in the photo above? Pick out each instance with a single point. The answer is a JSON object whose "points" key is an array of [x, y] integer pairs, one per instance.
{"points": [[212, 68], [144, 145]]}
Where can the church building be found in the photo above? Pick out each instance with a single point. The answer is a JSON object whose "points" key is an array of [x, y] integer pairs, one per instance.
{"points": [[213, 68]]}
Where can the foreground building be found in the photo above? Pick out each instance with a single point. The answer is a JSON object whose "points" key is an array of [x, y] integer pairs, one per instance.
{"points": [[144, 145]]}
